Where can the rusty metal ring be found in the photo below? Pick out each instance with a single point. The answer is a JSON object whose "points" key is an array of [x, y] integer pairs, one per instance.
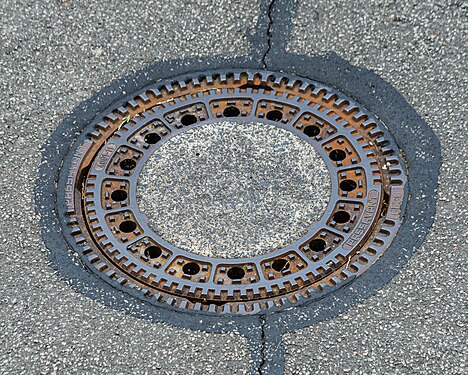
{"points": [[363, 216]]}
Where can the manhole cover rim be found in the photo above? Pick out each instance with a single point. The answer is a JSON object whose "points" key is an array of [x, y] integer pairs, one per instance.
{"points": [[266, 74]]}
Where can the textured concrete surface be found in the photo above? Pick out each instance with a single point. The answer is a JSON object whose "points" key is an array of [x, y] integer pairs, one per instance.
{"points": [[417, 323], [53, 55], [234, 190]]}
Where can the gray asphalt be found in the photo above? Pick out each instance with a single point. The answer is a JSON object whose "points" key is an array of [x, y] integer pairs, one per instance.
{"points": [[417, 323], [55, 54]]}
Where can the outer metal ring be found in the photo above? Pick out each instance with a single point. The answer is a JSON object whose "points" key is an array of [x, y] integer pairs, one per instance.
{"points": [[363, 216]]}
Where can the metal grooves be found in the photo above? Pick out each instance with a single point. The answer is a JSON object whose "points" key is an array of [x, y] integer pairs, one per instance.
{"points": [[363, 216]]}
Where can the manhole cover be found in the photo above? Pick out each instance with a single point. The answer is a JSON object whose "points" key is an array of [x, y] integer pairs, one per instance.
{"points": [[119, 243]]}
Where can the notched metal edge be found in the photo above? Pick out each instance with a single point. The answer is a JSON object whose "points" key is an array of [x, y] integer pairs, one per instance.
{"points": [[96, 135]]}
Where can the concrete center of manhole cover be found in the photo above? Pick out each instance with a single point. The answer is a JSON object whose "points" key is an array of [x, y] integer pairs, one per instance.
{"points": [[233, 190]]}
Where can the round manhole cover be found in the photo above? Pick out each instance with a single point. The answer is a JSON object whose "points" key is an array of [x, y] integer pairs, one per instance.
{"points": [[143, 189]]}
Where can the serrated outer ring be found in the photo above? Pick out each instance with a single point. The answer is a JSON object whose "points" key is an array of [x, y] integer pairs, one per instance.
{"points": [[379, 158]]}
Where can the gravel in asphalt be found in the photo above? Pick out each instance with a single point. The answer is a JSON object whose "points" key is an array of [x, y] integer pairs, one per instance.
{"points": [[53, 55], [416, 324]]}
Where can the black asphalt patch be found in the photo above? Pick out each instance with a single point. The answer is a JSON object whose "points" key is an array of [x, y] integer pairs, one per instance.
{"points": [[263, 332]]}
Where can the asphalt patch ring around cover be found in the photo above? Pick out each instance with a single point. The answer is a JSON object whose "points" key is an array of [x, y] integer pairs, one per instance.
{"points": [[406, 126], [363, 216], [52, 205]]}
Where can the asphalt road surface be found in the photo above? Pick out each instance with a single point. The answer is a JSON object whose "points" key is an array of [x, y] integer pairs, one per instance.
{"points": [[56, 54]]}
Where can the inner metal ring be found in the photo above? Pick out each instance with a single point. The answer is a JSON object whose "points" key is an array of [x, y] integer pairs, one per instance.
{"points": [[364, 213]]}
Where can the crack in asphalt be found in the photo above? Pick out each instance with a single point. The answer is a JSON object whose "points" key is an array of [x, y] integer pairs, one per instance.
{"points": [[264, 64], [262, 345], [268, 33], [269, 36]]}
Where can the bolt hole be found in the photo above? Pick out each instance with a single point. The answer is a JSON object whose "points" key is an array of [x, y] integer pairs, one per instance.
{"points": [[337, 155], [127, 226], [311, 131], [231, 112], [341, 217], [280, 265], [191, 268], [188, 120], [235, 273], [128, 164], [152, 138], [153, 252], [348, 185], [274, 115], [317, 244], [119, 195]]}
